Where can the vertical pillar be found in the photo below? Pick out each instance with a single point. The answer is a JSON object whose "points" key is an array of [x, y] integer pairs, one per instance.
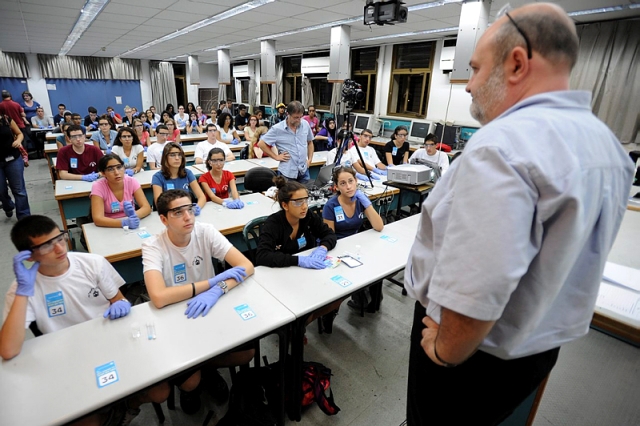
{"points": [[339, 55], [474, 18], [268, 62], [224, 67]]}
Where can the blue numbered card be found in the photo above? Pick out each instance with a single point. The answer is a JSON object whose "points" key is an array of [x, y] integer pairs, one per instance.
{"points": [[179, 273], [115, 207], [106, 374], [170, 186], [394, 151], [55, 304], [339, 213], [388, 238], [68, 187], [143, 234], [302, 242], [250, 203], [341, 281], [245, 312], [73, 163]]}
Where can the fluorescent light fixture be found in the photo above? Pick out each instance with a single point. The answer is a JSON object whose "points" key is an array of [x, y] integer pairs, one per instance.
{"points": [[432, 4], [88, 14], [411, 34], [245, 7], [605, 10]]}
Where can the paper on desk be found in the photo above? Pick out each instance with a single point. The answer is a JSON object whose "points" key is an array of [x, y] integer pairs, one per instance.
{"points": [[622, 302], [622, 275]]}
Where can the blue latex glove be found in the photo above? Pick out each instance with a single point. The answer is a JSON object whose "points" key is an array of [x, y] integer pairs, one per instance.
{"points": [[329, 142], [132, 222], [360, 196], [129, 172], [129, 210], [90, 177], [119, 309], [202, 303], [25, 277], [237, 273], [146, 125], [112, 114], [95, 124], [155, 125], [194, 123], [380, 171], [362, 177], [235, 204], [145, 148], [310, 262], [196, 210], [319, 253], [235, 141], [107, 151], [375, 176]]}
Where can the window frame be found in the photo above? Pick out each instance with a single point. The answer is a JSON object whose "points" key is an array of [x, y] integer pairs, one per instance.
{"points": [[367, 73], [426, 74]]}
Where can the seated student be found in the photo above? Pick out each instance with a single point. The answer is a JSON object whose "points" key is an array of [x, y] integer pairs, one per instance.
{"points": [[173, 174], [91, 119], [202, 117], [140, 131], [345, 213], [203, 148], [218, 184], [127, 118], [254, 149], [146, 127], [40, 121], [241, 118], [213, 117], [174, 132], [193, 125], [292, 230], [226, 132], [59, 117], [77, 120], [181, 118], [62, 279], [430, 153], [63, 139], [112, 198], [324, 140], [117, 118], [171, 275], [251, 127], [104, 137], [67, 117], [370, 157], [346, 154], [127, 146], [78, 161], [396, 151], [154, 153]]}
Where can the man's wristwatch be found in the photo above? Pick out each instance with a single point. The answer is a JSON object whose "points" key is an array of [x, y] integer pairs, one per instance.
{"points": [[223, 286]]}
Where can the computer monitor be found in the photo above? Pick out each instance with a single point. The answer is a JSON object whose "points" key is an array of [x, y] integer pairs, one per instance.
{"points": [[361, 123], [419, 130], [340, 120]]}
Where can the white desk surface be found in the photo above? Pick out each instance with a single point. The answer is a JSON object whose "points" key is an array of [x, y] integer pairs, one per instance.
{"points": [[126, 246], [53, 379], [319, 157], [79, 188], [53, 136], [239, 167], [265, 162], [304, 290], [625, 248]]}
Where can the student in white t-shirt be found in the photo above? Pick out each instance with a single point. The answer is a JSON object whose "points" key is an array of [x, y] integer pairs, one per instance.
{"points": [[154, 152], [203, 148], [61, 290], [346, 158], [369, 155], [177, 267], [430, 153]]}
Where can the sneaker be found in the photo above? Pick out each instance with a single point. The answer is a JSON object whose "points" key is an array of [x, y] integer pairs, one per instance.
{"points": [[190, 401], [216, 386], [327, 321], [9, 213], [129, 415], [354, 305]]}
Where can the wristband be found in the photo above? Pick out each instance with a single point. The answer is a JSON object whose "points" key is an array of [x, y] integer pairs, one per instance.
{"points": [[444, 363], [193, 290]]}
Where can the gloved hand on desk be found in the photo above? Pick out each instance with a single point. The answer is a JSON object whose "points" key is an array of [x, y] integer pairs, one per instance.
{"points": [[319, 253], [132, 220], [309, 262], [197, 210], [234, 204], [118, 309], [90, 177], [381, 172], [203, 302], [129, 172], [237, 273], [235, 141]]}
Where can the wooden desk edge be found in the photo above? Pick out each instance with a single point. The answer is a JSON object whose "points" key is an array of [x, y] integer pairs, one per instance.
{"points": [[627, 332]]}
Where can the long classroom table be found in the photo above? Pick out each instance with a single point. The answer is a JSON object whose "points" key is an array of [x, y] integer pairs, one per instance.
{"points": [[54, 379]]}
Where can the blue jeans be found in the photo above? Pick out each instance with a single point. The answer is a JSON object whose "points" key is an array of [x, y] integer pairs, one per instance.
{"points": [[302, 177], [13, 173]]}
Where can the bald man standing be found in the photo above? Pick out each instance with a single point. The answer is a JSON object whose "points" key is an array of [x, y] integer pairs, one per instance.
{"points": [[512, 241]]}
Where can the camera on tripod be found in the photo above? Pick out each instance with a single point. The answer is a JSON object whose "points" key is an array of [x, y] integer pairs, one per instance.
{"points": [[351, 93]]}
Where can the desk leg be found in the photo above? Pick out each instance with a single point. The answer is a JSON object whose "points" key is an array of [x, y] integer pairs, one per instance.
{"points": [[62, 216], [399, 208], [283, 337], [50, 166]]}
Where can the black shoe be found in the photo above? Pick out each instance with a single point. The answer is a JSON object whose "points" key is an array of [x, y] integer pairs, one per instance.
{"points": [[637, 195], [9, 213], [216, 386], [190, 401], [354, 305], [327, 321]]}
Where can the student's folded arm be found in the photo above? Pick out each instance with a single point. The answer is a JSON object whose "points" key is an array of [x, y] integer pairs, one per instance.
{"points": [[235, 258], [230, 156], [161, 295], [207, 190], [65, 175], [267, 255], [12, 332], [374, 218], [97, 213]]}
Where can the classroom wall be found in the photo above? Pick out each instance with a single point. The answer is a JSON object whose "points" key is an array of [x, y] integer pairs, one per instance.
{"points": [[38, 85]]}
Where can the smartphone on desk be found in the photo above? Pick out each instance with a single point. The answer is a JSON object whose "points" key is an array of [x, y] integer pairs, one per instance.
{"points": [[351, 262]]}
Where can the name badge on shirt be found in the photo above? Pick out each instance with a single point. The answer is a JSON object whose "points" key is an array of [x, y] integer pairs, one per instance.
{"points": [[302, 242], [55, 304], [126, 161], [366, 154], [394, 151], [115, 207], [339, 213], [170, 186], [74, 163], [179, 273]]}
